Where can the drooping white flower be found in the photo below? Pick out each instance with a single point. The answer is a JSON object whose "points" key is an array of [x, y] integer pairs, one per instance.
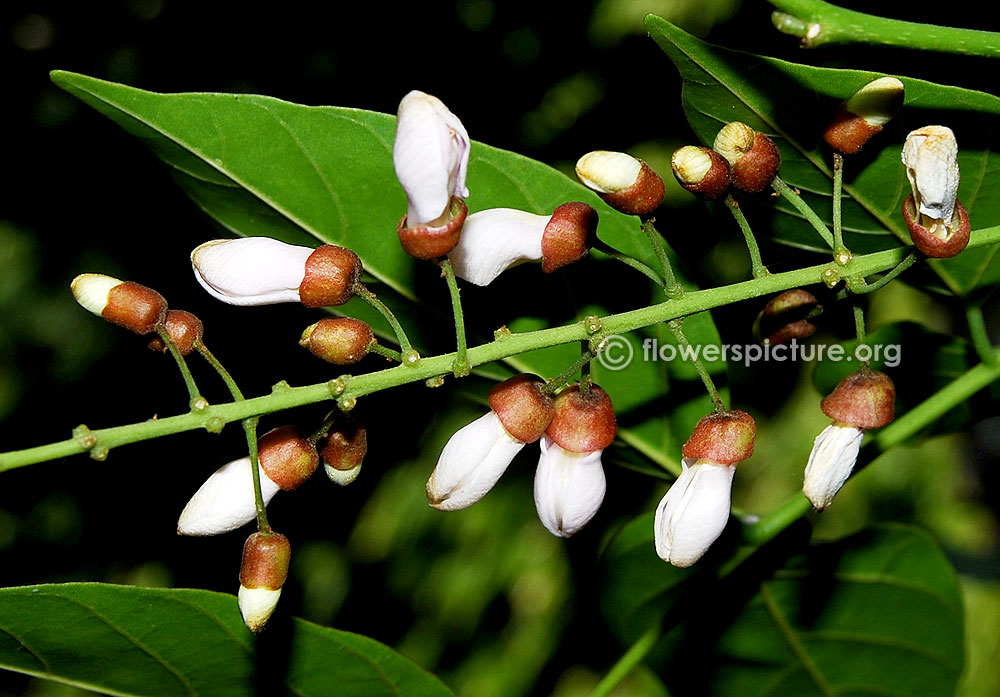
{"points": [[831, 462], [430, 155], [251, 270], [496, 239], [694, 511], [225, 501], [569, 487], [471, 463]]}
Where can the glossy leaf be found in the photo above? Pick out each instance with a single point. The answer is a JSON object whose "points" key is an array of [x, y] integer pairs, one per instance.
{"points": [[877, 613], [793, 104], [136, 641]]}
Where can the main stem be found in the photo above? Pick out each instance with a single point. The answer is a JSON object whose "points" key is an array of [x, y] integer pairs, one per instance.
{"points": [[352, 387]]}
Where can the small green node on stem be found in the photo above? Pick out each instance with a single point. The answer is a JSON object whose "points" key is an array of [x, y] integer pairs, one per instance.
{"points": [[85, 437], [198, 404], [347, 403], [502, 333], [215, 424], [280, 386], [461, 369], [410, 357], [435, 381], [337, 386], [830, 277], [843, 256], [99, 453], [592, 324]]}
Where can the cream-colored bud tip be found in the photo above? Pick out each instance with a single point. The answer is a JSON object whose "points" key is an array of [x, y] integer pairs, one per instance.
{"points": [[690, 164], [878, 101], [342, 477], [734, 140], [257, 605], [608, 172], [91, 291]]}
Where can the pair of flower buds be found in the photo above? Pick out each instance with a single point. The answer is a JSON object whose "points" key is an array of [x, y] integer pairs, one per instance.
{"points": [[572, 429]]}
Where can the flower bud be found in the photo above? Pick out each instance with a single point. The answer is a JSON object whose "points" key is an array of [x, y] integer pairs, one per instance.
{"points": [[226, 500], [582, 420], [431, 158], [865, 400], [338, 340], [184, 329], [569, 487], [787, 317], [497, 239], [625, 183], [864, 114], [433, 241], [693, 513], [522, 407], [754, 157], [344, 451], [724, 437], [701, 171], [263, 271], [124, 303], [263, 572]]}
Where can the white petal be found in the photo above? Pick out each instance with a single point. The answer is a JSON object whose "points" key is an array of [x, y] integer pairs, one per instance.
{"points": [[569, 488], [91, 291], [225, 501], [494, 240], [251, 270], [830, 463], [693, 512], [431, 156], [471, 463], [607, 172], [342, 477], [931, 158], [257, 605]]}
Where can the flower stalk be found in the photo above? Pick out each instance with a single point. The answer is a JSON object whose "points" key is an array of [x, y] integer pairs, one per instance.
{"points": [[405, 348], [802, 207], [757, 266], [197, 402], [461, 367], [671, 287]]}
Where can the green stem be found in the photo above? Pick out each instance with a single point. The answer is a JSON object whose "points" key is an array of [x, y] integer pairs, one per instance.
{"points": [[859, 286], [283, 397], [859, 330], [375, 347], [802, 207], [406, 349], [671, 287], [249, 428], [980, 337], [564, 377], [627, 663], [461, 368], [841, 254], [629, 261], [819, 23], [676, 329], [757, 266], [196, 401]]}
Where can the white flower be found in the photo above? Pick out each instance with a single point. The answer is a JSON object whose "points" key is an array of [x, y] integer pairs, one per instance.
{"points": [[931, 158], [257, 605], [831, 462], [496, 239], [431, 157], [225, 501], [693, 512], [251, 270], [569, 488], [471, 463]]}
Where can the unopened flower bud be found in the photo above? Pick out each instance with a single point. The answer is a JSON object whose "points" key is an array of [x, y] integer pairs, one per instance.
{"points": [[938, 222], [263, 271], [582, 420], [184, 329], [788, 317], [864, 114], [569, 487], [693, 513], [701, 171], [625, 183], [226, 500], [344, 451], [124, 303], [266, 557], [861, 400], [754, 157], [496, 239], [338, 340], [522, 407]]}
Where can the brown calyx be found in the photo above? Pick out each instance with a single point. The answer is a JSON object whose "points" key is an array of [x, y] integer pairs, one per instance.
{"points": [[865, 400], [433, 241], [848, 132], [522, 407], [724, 437], [266, 557], [787, 317], [644, 195], [582, 420], [931, 244], [568, 235], [183, 328], [135, 307], [346, 446], [330, 275], [756, 169], [287, 458], [688, 164]]}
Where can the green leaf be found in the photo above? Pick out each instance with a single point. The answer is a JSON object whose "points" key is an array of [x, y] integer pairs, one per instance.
{"points": [[793, 103], [123, 640], [877, 613]]}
